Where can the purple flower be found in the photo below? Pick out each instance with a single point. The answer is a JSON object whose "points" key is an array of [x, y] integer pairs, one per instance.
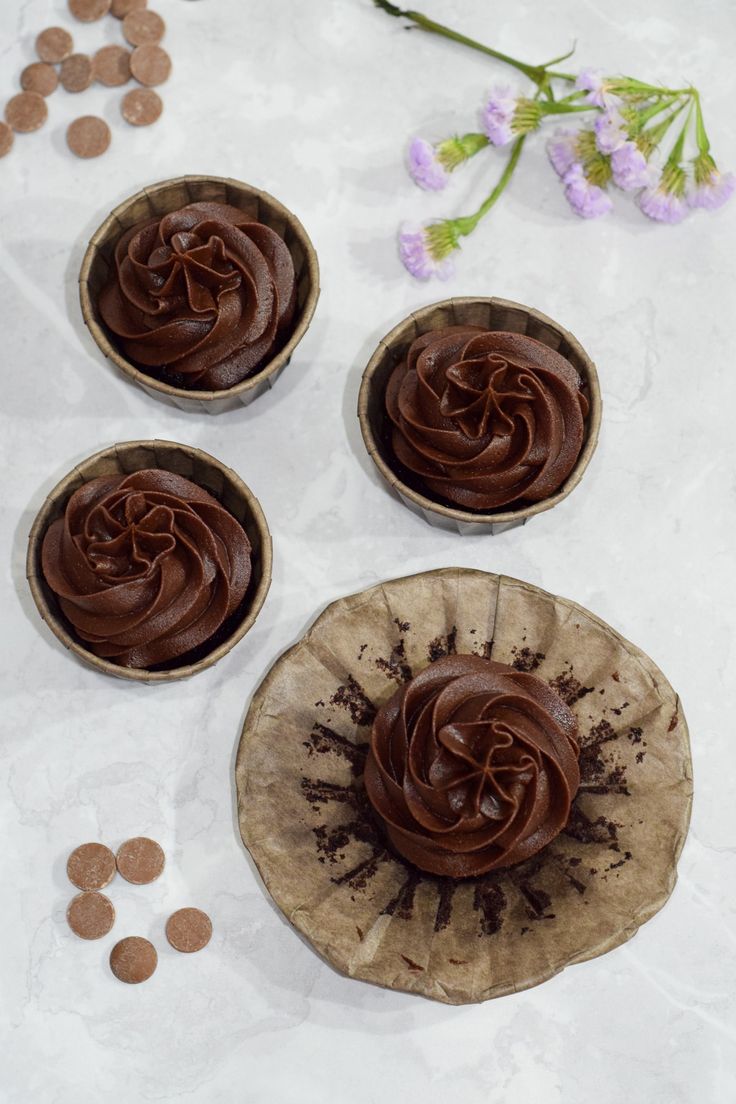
{"points": [[662, 205], [424, 250], [592, 81], [562, 149], [713, 191], [586, 199], [425, 166], [610, 131], [630, 168], [498, 115]]}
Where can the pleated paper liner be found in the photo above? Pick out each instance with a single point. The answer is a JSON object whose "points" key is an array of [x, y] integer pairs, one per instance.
{"points": [[207, 472], [158, 200], [493, 314], [305, 819]]}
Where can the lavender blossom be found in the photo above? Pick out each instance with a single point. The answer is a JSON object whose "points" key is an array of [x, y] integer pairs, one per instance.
{"points": [[713, 190], [424, 249], [498, 115], [630, 168], [597, 87], [658, 202], [562, 149], [425, 166], [585, 198], [610, 132]]}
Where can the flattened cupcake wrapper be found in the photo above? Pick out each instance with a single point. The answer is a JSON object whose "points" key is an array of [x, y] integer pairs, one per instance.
{"points": [[159, 199], [199, 467], [324, 858]]}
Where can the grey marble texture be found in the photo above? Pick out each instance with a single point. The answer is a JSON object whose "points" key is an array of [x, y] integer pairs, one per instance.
{"points": [[314, 100]]}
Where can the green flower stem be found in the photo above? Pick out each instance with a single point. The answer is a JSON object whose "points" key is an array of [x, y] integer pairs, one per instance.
{"points": [[655, 134], [467, 224], [536, 73], [700, 133], [675, 156]]}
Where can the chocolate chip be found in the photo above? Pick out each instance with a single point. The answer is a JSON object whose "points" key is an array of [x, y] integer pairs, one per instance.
{"points": [[90, 915], [133, 959], [26, 112], [150, 65], [88, 136], [39, 77], [76, 73], [141, 107], [54, 44], [91, 866], [121, 8], [6, 139], [87, 11], [189, 930], [140, 860], [143, 28], [111, 66]]}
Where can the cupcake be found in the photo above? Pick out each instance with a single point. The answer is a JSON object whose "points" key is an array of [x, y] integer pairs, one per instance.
{"points": [[199, 289], [480, 413], [150, 561], [483, 785]]}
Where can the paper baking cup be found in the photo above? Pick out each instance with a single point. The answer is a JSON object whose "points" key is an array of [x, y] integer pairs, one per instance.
{"points": [[493, 314], [325, 859], [158, 200], [207, 472]]}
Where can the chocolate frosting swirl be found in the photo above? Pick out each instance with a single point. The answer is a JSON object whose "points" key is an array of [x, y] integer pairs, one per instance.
{"points": [[203, 296], [472, 766], [146, 567], [485, 418]]}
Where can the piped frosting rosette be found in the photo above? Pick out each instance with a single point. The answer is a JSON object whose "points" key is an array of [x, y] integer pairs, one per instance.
{"points": [[146, 567], [203, 295], [486, 419]]}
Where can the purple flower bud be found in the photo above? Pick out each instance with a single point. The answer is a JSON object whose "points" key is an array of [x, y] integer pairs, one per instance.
{"points": [[712, 192], [630, 168], [498, 114], [592, 81], [586, 199], [610, 131], [425, 167], [661, 205], [562, 149], [418, 255]]}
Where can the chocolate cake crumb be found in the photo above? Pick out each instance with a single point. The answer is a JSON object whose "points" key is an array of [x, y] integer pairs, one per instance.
{"points": [[402, 905], [446, 889], [396, 667], [323, 740], [568, 687], [413, 966], [354, 699], [673, 723], [616, 676], [640, 756], [319, 793], [635, 735], [361, 650], [525, 659], [443, 646], [458, 961], [490, 900], [402, 626]]}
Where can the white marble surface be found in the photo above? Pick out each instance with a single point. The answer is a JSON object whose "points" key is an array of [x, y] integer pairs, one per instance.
{"points": [[313, 101]]}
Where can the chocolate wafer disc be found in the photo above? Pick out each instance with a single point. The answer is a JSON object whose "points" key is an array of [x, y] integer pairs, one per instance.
{"points": [[150, 65], [325, 860], [133, 959], [90, 915], [88, 11], [111, 66], [26, 112], [140, 860], [76, 73], [6, 139], [91, 866], [189, 930], [141, 106], [88, 136], [121, 8], [54, 44], [39, 77], [143, 28]]}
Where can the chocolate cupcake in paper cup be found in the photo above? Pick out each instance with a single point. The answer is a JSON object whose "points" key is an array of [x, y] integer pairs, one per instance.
{"points": [[150, 560], [457, 784], [480, 413], [199, 289]]}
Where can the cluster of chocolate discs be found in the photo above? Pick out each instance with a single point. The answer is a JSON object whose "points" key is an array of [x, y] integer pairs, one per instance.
{"points": [[91, 915], [112, 66]]}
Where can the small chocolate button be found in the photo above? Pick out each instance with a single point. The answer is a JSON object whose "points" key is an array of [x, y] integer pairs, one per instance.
{"points": [[133, 959], [91, 866], [88, 136], [54, 44], [76, 73], [90, 915], [39, 77], [6, 139], [141, 107], [140, 860], [189, 930], [111, 66], [150, 65], [87, 11], [121, 8], [26, 112], [143, 28]]}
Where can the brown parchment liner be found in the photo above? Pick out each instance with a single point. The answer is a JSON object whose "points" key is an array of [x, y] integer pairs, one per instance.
{"points": [[198, 466], [170, 195], [306, 822], [493, 314]]}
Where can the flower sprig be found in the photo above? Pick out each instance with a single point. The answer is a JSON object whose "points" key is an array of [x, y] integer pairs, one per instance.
{"points": [[637, 137]]}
